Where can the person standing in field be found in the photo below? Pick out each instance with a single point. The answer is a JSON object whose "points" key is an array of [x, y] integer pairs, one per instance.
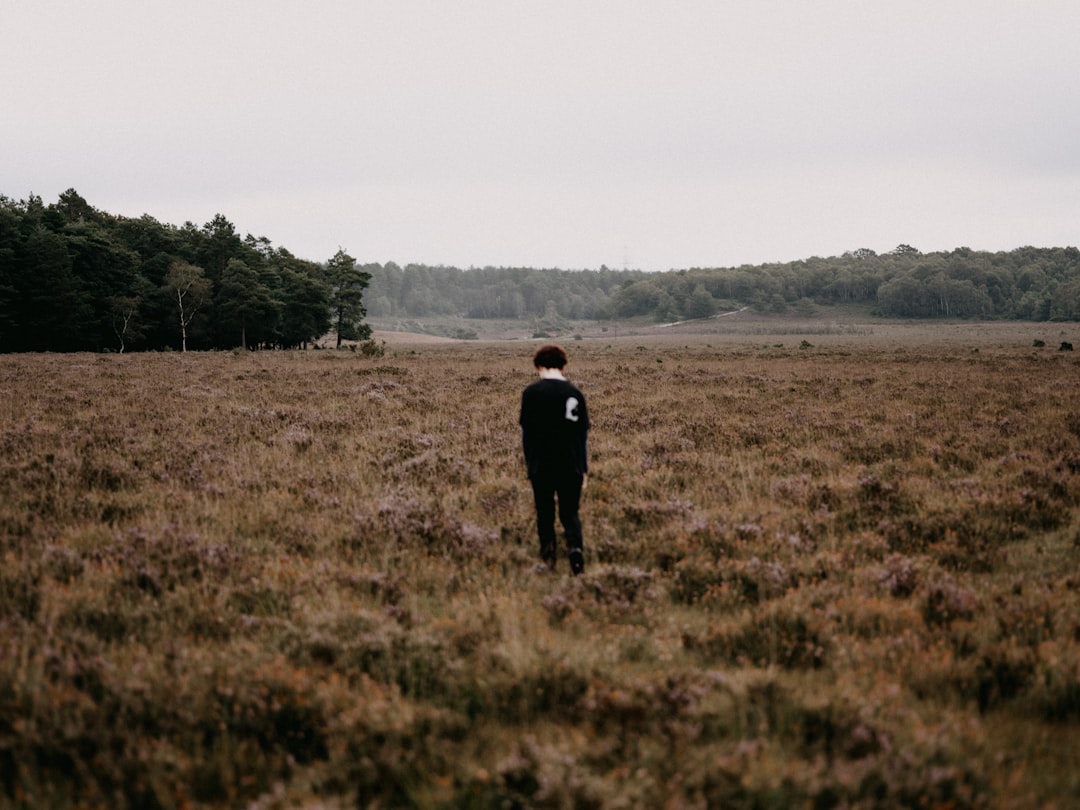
{"points": [[554, 431]]}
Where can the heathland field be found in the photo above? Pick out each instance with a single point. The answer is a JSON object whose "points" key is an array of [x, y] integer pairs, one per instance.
{"points": [[832, 575]]}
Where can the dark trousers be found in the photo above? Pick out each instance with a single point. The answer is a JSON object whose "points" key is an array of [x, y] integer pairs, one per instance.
{"points": [[567, 489]]}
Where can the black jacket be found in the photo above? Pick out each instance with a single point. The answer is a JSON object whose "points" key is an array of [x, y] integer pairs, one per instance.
{"points": [[554, 428]]}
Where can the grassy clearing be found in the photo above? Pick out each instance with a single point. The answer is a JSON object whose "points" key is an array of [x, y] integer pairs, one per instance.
{"points": [[836, 575]]}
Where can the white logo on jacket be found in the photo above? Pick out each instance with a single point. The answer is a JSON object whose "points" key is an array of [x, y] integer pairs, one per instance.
{"points": [[571, 409]]}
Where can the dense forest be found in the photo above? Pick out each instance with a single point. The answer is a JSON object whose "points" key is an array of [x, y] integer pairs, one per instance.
{"points": [[74, 278]]}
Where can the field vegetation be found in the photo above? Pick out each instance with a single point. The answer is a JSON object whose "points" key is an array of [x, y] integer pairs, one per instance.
{"points": [[823, 570]]}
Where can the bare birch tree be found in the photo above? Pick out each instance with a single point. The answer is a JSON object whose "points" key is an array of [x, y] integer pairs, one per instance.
{"points": [[124, 310], [188, 286]]}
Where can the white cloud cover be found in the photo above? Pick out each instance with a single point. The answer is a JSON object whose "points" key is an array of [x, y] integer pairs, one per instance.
{"points": [[569, 134]]}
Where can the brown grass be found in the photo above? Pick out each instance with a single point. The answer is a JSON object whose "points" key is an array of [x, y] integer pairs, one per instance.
{"points": [[832, 575]]}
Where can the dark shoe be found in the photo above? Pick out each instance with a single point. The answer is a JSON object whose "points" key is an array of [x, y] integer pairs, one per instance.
{"points": [[577, 562]]}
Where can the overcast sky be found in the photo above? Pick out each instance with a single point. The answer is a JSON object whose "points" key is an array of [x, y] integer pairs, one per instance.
{"points": [[653, 134]]}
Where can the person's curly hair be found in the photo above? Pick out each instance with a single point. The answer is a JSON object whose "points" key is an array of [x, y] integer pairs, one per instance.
{"points": [[550, 356]]}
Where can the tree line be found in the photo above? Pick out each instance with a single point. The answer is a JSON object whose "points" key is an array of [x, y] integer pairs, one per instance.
{"points": [[1037, 284], [1028, 283], [517, 293], [73, 278]]}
